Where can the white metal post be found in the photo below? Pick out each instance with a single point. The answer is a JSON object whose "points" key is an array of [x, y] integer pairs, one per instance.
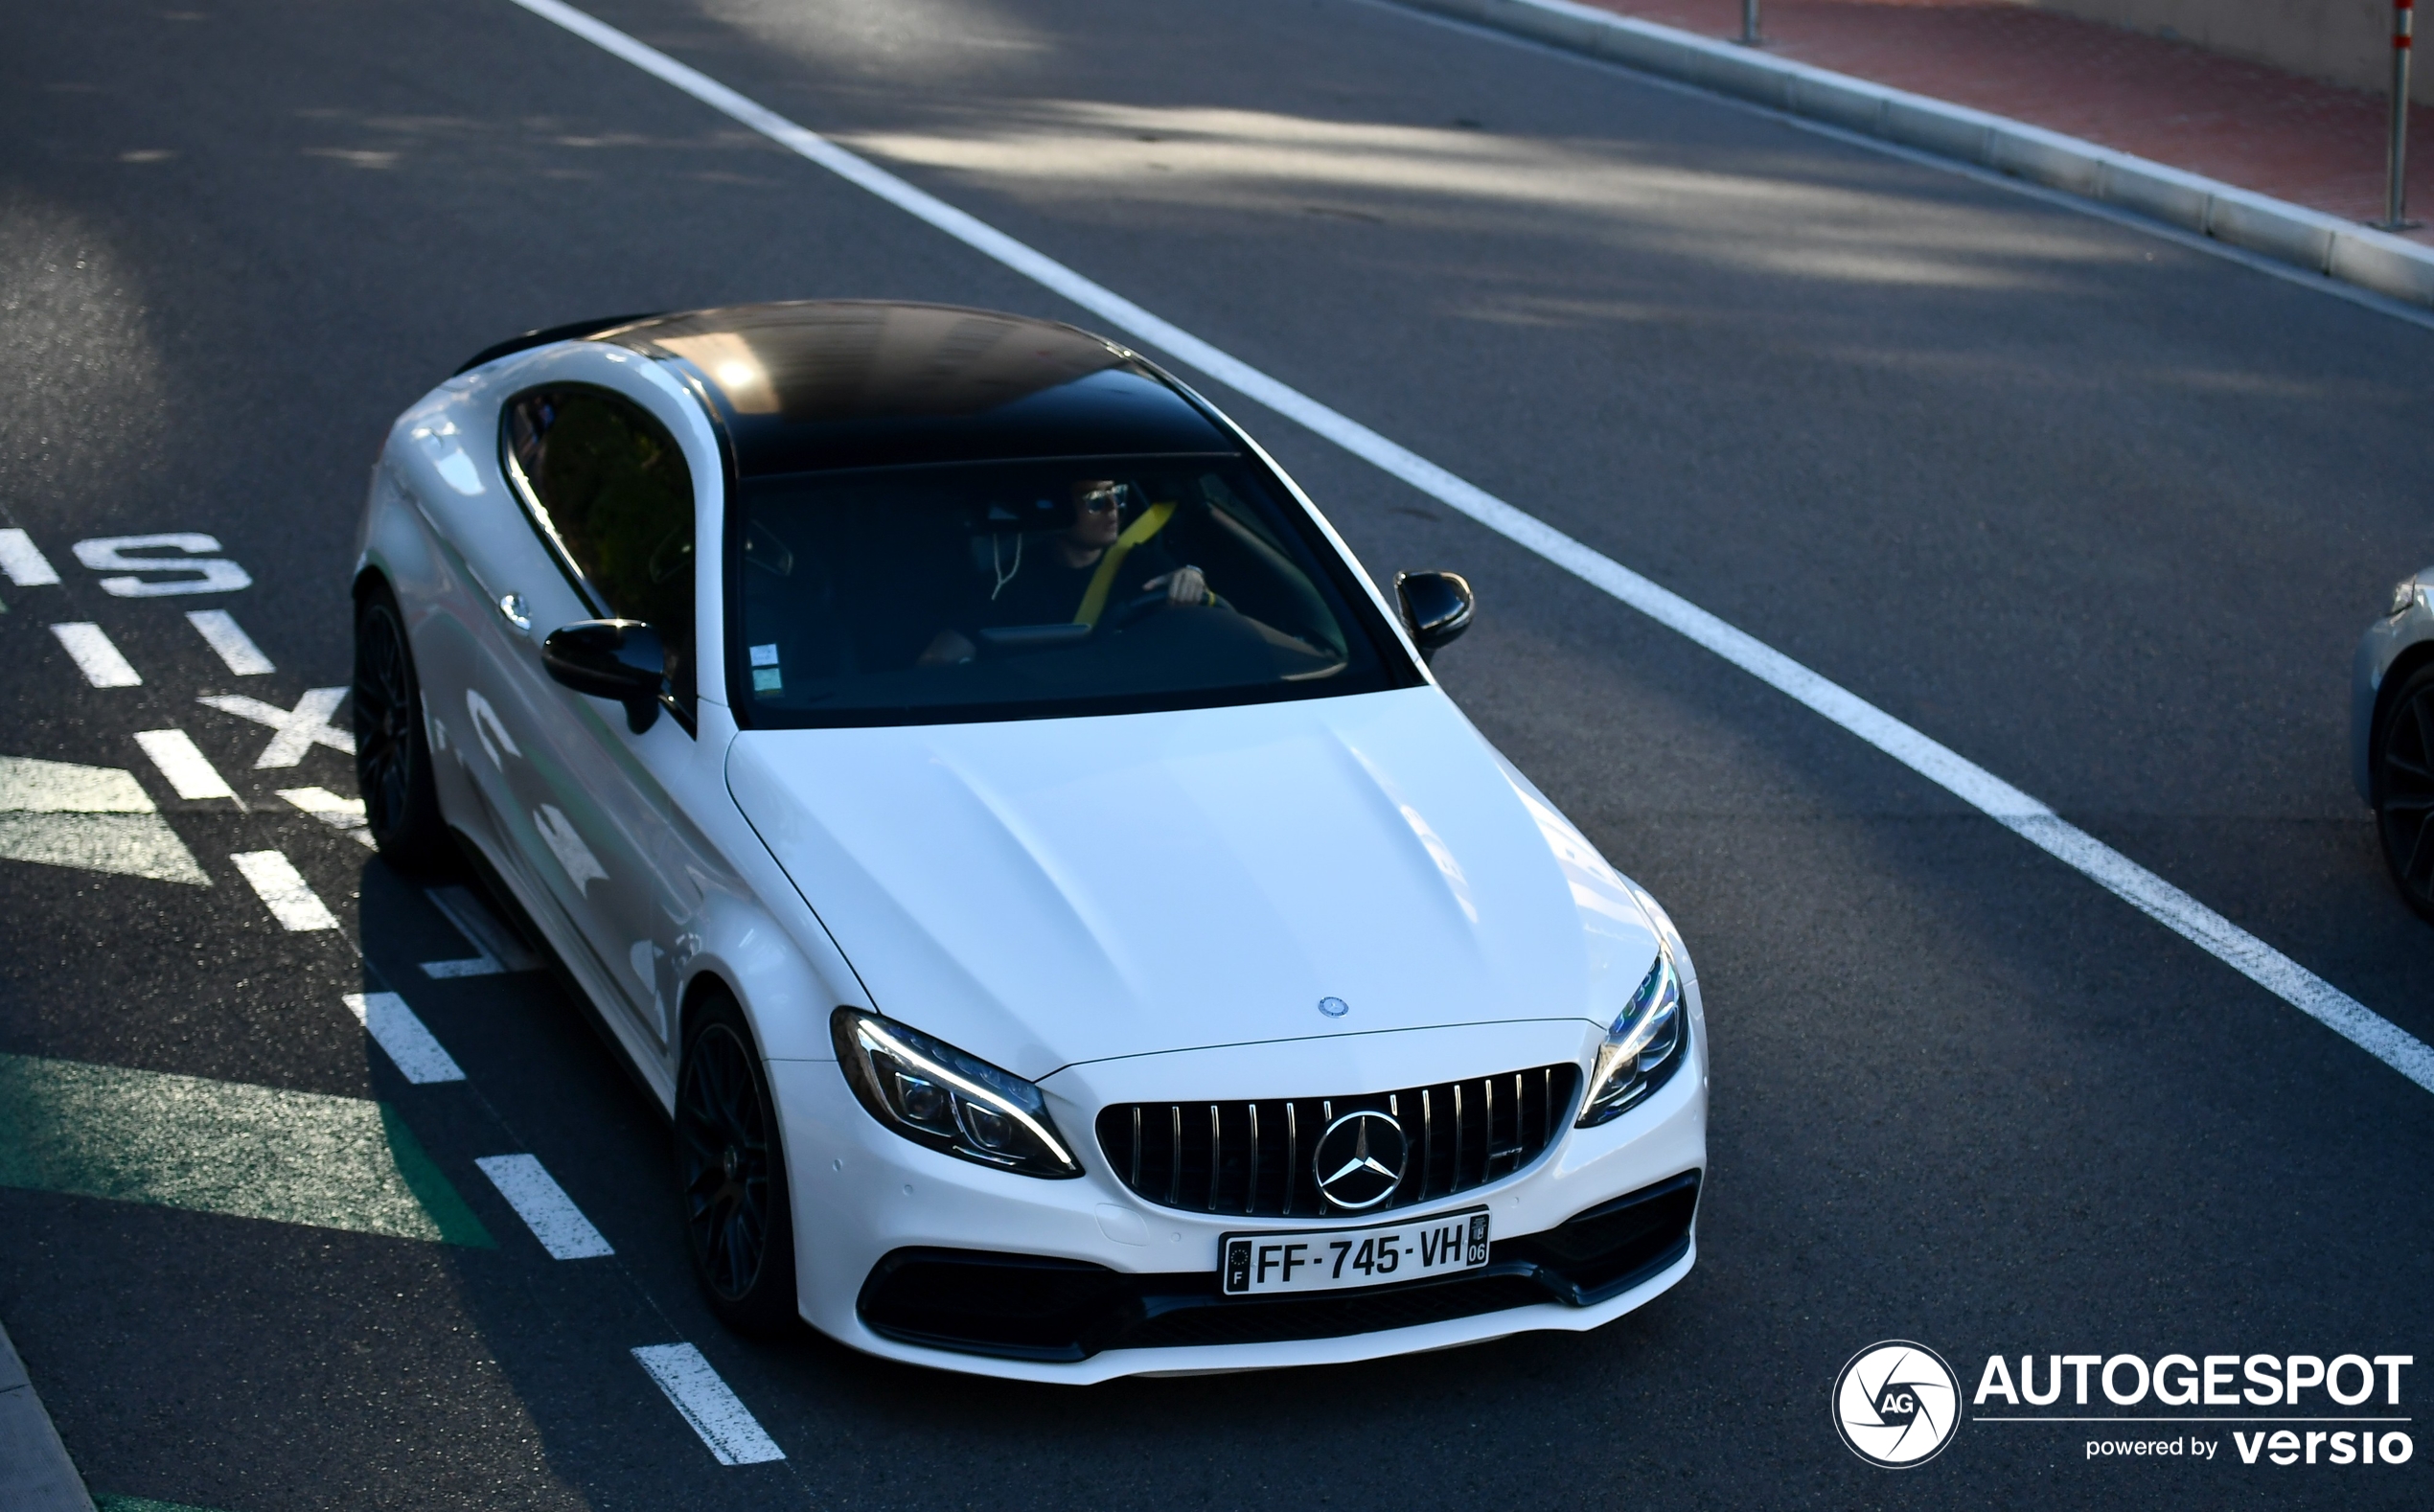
{"points": [[2396, 194]]}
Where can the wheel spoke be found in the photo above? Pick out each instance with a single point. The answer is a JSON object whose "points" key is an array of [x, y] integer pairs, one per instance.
{"points": [[2418, 851], [722, 1115]]}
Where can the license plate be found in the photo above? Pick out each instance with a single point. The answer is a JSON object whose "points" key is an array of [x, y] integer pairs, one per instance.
{"points": [[1333, 1259]]}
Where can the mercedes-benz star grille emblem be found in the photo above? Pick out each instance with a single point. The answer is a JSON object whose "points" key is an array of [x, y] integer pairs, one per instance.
{"points": [[1359, 1160]]}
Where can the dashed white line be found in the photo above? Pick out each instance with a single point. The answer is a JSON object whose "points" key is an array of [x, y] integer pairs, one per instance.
{"points": [[284, 891], [23, 561], [299, 728], [342, 815], [189, 772], [733, 1436], [95, 657], [417, 1054], [221, 632], [545, 1206], [2030, 818]]}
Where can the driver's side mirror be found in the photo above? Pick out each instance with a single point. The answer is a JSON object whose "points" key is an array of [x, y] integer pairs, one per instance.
{"points": [[1436, 606], [620, 659]]}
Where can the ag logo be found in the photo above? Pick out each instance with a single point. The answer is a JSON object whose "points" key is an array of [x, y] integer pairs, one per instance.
{"points": [[1896, 1403]]}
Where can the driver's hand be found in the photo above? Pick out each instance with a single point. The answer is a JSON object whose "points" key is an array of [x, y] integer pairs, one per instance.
{"points": [[1185, 586]]}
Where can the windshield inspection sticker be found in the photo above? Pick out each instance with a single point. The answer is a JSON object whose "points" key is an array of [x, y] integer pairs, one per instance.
{"points": [[1896, 1404], [765, 676]]}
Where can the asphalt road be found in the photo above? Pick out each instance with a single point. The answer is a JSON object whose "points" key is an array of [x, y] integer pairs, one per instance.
{"points": [[2100, 512]]}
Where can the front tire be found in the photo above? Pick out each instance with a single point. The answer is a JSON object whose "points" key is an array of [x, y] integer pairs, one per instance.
{"points": [[739, 1226], [392, 755], [2405, 789]]}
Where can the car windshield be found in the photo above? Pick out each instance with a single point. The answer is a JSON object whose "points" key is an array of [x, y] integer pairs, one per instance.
{"points": [[1017, 590]]}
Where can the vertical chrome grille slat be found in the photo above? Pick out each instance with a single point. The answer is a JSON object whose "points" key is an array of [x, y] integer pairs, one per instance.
{"points": [[1251, 1181], [1489, 1131], [1481, 1143], [1292, 1157], [1459, 1183]]}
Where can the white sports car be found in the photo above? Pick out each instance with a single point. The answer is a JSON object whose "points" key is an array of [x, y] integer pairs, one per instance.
{"points": [[1072, 933]]}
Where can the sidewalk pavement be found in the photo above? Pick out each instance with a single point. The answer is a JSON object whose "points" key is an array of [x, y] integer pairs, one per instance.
{"points": [[2295, 139]]}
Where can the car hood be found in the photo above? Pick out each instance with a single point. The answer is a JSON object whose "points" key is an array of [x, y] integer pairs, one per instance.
{"points": [[1049, 891]]}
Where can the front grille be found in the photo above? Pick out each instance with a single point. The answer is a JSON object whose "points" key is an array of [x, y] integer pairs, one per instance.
{"points": [[1254, 1157]]}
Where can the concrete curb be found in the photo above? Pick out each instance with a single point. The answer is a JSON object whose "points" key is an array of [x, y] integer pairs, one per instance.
{"points": [[35, 1473], [2307, 239]]}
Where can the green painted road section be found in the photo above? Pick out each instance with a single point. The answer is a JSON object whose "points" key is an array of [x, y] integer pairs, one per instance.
{"points": [[141, 1504], [223, 1147]]}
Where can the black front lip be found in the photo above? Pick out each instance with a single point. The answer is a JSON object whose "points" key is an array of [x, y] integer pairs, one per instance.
{"points": [[1055, 1311]]}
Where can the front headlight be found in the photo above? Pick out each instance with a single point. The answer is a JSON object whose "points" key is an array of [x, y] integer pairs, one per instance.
{"points": [[1643, 1049], [2403, 597], [935, 1094]]}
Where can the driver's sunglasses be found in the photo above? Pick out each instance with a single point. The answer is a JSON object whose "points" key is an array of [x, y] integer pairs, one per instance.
{"points": [[1098, 501]]}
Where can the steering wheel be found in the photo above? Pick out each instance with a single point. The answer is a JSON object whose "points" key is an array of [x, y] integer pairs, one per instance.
{"points": [[1135, 609]]}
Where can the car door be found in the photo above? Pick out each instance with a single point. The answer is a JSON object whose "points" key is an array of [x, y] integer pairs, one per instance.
{"points": [[611, 495]]}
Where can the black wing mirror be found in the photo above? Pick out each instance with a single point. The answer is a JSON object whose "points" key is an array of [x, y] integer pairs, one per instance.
{"points": [[620, 659], [1436, 606]]}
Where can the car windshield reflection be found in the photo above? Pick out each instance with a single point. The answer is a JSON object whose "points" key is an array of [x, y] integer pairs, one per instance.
{"points": [[1023, 590]]}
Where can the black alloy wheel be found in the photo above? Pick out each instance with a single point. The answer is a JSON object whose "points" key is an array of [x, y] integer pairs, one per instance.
{"points": [[738, 1224], [2405, 789], [392, 757]]}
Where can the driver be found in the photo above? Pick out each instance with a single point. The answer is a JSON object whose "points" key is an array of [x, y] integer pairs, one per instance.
{"points": [[1064, 582]]}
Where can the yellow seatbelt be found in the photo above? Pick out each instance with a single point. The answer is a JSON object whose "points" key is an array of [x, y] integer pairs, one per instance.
{"points": [[1094, 597]]}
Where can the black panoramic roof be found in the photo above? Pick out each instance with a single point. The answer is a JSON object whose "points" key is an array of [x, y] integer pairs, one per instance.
{"points": [[850, 383]]}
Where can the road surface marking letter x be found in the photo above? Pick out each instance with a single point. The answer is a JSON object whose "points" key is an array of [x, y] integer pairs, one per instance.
{"points": [[299, 728]]}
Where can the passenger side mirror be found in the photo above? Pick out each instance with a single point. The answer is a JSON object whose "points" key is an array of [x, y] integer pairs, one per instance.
{"points": [[1436, 606], [620, 659]]}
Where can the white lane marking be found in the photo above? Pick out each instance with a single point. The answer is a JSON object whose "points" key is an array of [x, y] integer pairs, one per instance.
{"points": [[396, 1030], [496, 949], [284, 891], [94, 818], [189, 772], [342, 815], [95, 657], [299, 728], [2033, 821], [221, 631], [212, 574], [30, 785], [23, 561], [545, 1206], [716, 1413]]}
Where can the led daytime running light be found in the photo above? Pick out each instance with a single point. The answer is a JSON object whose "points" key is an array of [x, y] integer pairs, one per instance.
{"points": [[876, 1038], [884, 1061], [1621, 1080]]}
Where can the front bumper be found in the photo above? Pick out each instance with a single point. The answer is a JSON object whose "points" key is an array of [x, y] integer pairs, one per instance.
{"points": [[1136, 1280], [2382, 645]]}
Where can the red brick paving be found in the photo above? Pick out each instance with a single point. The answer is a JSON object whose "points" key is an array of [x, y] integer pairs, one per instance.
{"points": [[2296, 139]]}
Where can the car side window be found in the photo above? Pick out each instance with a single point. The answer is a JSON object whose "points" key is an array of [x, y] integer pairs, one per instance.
{"points": [[609, 488]]}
